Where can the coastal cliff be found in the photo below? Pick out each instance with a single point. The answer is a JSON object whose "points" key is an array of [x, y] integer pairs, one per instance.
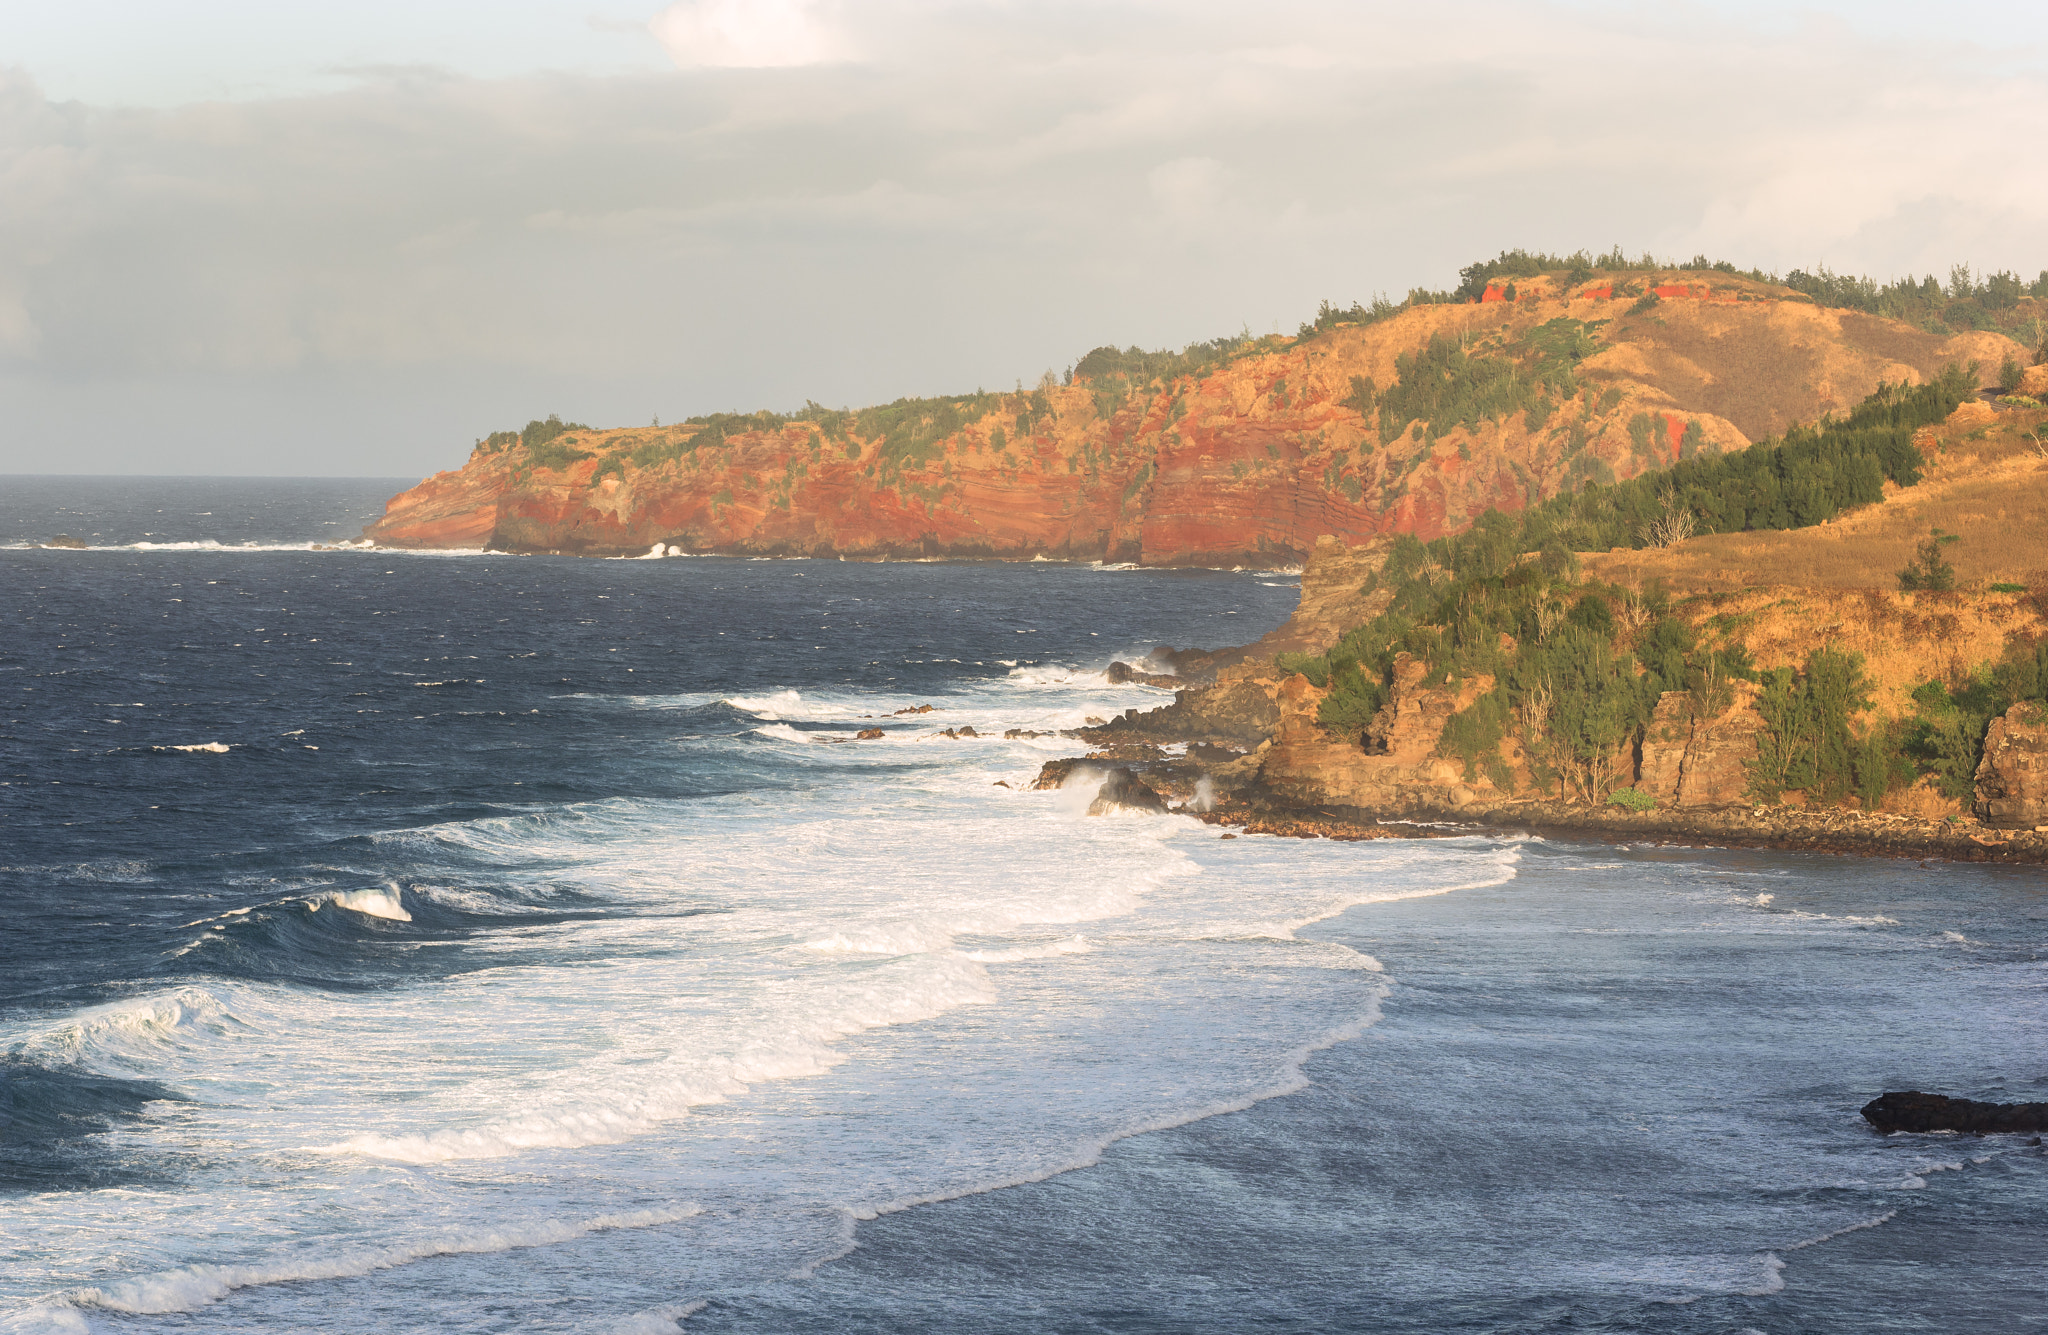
{"points": [[1240, 452], [1759, 688]]}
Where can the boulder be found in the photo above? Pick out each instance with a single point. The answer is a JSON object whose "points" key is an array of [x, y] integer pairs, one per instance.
{"points": [[1910, 1110], [1123, 674], [1236, 713], [2012, 778], [66, 540], [914, 709], [868, 735], [1124, 790]]}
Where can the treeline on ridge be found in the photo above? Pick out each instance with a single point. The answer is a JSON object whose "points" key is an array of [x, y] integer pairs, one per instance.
{"points": [[1806, 477], [1965, 301]]}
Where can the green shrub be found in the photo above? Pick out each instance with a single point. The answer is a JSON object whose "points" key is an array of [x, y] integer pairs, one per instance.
{"points": [[1474, 733], [2008, 588], [1354, 699], [1447, 385], [1631, 799], [1928, 571], [1313, 666]]}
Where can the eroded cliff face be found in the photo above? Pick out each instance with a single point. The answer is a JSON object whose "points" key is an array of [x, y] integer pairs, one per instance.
{"points": [[1694, 754], [2012, 779], [1246, 462]]}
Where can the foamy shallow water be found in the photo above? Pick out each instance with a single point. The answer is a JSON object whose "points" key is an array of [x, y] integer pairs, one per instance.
{"points": [[1100, 977]]}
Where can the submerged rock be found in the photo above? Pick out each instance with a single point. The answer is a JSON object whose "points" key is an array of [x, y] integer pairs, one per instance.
{"points": [[1910, 1110], [66, 540], [1123, 789], [868, 735]]}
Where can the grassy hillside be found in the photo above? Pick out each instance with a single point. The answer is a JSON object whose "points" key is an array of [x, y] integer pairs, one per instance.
{"points": [[1870, 684]]}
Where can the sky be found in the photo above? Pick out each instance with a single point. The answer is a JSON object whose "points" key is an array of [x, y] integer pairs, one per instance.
{"points": [[347, 240]]}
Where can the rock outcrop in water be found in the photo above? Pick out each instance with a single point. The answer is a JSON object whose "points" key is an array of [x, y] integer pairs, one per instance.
{"points": [[1124, 791], [1239, 459], [1910, 1110]]}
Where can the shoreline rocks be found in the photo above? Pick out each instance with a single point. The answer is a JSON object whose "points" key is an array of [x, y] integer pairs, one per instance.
{"points": [[1910, 1110], [1123, 790]]}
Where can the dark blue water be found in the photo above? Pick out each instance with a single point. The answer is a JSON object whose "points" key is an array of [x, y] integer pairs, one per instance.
{"points": [[359, 692], [488, 870]]}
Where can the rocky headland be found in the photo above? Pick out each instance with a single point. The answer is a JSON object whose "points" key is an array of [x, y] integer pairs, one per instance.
{"points": [[1238, 452], [1251, 724]]}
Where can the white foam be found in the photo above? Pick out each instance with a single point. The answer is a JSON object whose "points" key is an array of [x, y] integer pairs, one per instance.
{"points": [[209, 748], [780, 705], [1882, 1219], [852, 926], [607, 1106], [382, 902], [659, 1320], [1072, 945]]}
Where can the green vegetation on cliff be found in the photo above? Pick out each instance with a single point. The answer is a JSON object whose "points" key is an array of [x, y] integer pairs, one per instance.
{"points": [[1575, 669], [1455, 383]]}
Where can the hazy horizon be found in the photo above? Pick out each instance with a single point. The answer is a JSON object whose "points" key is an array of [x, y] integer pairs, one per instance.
{"points": [[346, 244]]}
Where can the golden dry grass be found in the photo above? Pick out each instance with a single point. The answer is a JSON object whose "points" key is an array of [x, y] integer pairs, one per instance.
{"points": [[1781, 595], [1986, 484], [1905, 638]]}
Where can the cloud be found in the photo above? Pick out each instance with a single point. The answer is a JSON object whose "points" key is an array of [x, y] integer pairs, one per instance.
{"points": [[748, 34], [989, 188], [1187, 189]]}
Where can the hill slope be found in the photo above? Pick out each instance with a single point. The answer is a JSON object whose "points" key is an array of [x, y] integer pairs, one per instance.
{"points": [[1236, 453]]}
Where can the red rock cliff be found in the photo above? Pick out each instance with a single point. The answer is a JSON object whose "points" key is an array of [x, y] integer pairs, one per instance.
{"points": [[1244, 461]]}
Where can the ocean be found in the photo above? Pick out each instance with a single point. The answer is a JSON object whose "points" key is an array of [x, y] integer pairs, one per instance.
{"points": [[469, 942]]}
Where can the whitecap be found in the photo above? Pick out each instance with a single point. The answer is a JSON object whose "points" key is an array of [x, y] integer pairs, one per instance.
{"points": [[382, 902]]}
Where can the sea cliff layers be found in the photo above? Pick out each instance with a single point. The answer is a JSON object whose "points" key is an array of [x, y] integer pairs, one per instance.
{"points": [[1241, 452]]}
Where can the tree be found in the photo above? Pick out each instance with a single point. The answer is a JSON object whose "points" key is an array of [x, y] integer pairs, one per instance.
{"points": [[1593, 705], [1928, 572], [1807, 743]]}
